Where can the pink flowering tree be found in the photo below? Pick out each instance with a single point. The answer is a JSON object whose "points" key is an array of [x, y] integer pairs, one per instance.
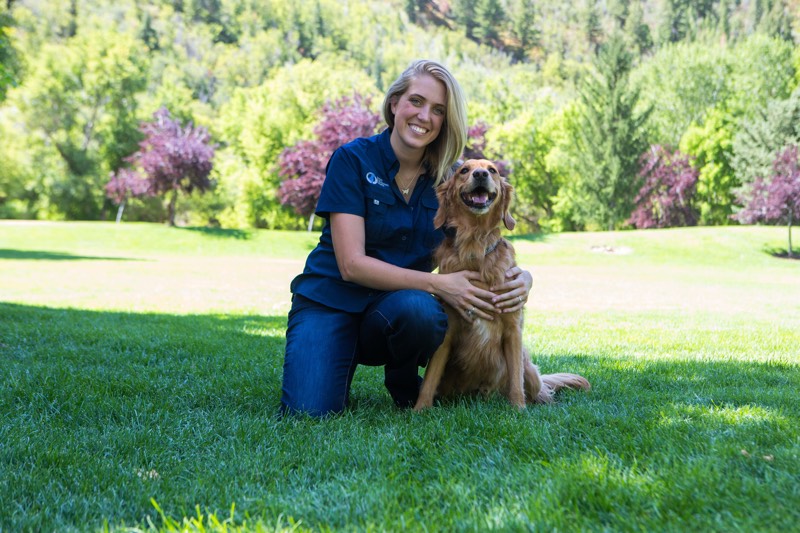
{"points": [[303, 165], [125, 184], [476, 147], [776, 200], [171, 159], [665, 199]]}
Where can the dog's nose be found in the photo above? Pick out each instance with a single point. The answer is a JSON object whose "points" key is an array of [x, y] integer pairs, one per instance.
{"points": [[480, 174]]}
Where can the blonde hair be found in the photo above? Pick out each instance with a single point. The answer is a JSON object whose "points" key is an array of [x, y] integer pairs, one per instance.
{"points": [[445, 150]]}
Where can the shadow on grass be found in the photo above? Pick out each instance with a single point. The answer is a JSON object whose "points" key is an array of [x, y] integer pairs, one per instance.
{"points": [[35, 255], [220, 232], [782, 253], [529, 237]]}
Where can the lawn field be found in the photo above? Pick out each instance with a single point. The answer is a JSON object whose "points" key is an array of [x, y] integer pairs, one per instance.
{"points": [[141, 371]]}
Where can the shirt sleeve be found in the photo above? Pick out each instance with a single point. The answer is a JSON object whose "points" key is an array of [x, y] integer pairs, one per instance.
{"points": [[342, 190]]}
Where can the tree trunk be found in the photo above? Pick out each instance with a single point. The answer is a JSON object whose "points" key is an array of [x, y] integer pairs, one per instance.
{"points": [[311, 222], [120, 210], [790, 235], [171, 209]]}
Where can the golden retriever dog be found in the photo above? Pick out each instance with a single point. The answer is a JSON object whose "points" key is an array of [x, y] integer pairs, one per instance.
{"points": [[483, 355]]}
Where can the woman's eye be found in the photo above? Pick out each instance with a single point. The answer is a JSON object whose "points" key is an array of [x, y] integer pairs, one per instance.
{"points": [[415, 101], [439, 111]]}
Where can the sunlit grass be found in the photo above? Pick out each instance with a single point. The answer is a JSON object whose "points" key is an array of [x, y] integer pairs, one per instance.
{"points": [[141, 376]]}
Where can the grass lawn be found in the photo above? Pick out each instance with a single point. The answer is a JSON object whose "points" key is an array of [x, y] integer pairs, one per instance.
{"points": [[141, 370]]}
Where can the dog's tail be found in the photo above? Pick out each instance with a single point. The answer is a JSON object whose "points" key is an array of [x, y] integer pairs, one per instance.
{"points": [[552, 383]]}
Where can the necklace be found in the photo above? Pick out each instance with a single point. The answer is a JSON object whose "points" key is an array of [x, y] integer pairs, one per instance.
{"points": [[407, 189]]}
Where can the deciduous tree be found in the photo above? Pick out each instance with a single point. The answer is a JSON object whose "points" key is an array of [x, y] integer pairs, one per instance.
{"points": [[777, 199], [665, 199], [171, 158], [303, 165]]}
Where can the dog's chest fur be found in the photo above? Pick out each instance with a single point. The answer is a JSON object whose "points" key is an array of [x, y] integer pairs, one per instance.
{"points": [[477, 346]]}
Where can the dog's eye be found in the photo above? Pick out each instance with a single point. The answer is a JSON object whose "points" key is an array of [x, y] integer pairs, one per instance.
{"points": [[492, 170], [464, 170]]}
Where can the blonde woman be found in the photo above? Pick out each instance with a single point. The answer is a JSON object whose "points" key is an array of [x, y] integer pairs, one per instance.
{"points": [[367, 294]]}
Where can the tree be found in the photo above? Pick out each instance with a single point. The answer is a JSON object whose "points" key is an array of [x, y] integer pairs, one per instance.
{"points": [[303, 165], [665, 199], [711, 146], [610, 141], [171, 158], [124, 184], [9, 60], [79, 103], [757, 142], [776, 200]]}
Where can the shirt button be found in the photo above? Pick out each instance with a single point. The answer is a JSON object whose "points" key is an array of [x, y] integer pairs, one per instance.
{"points": [[404, 237]]}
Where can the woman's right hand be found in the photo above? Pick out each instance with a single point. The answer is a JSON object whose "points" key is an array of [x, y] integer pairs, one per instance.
{"points": [[472, 302]]}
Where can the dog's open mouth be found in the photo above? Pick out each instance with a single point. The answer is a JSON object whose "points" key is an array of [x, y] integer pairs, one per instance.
{"points": [[478, 198]]}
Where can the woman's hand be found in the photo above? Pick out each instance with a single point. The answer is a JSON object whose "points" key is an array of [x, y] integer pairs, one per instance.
{"points": [[472, 302], [513, 293]]}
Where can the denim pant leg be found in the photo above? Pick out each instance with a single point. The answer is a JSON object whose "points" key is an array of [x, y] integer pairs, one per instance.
{"points": [[321, 351], [402, 330]]}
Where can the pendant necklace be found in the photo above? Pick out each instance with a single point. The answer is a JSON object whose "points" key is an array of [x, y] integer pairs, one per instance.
{"points": [[407, 189]]}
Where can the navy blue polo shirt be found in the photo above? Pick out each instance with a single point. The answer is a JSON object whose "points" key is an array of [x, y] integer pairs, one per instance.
{"points": [[360, 181]]}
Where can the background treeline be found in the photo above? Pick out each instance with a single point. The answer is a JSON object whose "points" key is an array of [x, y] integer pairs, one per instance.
{"points": [[581, 100]]}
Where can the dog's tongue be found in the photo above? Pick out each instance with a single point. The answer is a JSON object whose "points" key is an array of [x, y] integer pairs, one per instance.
{"points": [[480, 198]]}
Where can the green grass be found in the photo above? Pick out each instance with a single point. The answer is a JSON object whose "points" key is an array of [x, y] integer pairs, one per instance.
{"points": [[142, 364]]}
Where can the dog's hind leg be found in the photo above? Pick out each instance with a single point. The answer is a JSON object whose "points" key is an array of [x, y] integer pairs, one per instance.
{"points": [[535, 390], [433, 373]]}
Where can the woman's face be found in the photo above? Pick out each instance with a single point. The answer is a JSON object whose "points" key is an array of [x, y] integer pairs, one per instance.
{"points": [[419, 113]]}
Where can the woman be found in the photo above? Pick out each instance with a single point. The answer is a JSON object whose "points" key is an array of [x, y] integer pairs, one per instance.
{"points": [[367, 294]]}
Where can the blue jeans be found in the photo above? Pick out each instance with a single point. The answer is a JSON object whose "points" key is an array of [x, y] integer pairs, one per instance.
{"points": [[400, 329]]}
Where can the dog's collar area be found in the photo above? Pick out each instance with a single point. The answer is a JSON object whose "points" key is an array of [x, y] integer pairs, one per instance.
{"points": [[493, 247], [450, 233]]}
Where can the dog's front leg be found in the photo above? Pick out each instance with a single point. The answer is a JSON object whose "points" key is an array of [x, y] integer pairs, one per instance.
{"points": [[433, 374], [512, 351]]}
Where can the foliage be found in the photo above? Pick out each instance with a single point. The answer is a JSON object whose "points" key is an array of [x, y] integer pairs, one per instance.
{"points": [[776, 199], [170, 159], [665, 199], [758, 141], [79, 108], [85, 74], [610, 141], [9, 57], [531, 144], [711, 145], [303, 165]]}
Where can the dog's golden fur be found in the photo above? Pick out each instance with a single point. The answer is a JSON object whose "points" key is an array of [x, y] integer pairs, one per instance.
{"points": [[484, 355]]}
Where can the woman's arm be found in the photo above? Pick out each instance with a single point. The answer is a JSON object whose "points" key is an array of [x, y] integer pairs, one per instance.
{"points": [[348, 234]]}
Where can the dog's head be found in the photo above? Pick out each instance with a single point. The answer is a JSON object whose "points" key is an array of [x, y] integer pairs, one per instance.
{"points": [[478, 190]]}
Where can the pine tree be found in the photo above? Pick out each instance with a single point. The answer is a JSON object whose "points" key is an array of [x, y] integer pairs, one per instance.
{"points": [[611, 139]]}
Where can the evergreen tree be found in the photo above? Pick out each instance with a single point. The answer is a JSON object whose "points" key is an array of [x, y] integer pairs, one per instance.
{"points": [[490, 17], [637, 31], [522, 19], [592, 26], [465, 12], [611, 139]]}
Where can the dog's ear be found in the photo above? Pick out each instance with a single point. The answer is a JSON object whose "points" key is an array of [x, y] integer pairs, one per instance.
{"points": [[508, 192], [443, 193]]}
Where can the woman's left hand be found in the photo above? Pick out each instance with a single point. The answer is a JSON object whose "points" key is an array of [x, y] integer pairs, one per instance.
{"points": [[513, 293]]}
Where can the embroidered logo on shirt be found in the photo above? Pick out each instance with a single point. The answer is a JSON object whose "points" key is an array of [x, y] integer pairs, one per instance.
{"points": [[372, 179]]}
